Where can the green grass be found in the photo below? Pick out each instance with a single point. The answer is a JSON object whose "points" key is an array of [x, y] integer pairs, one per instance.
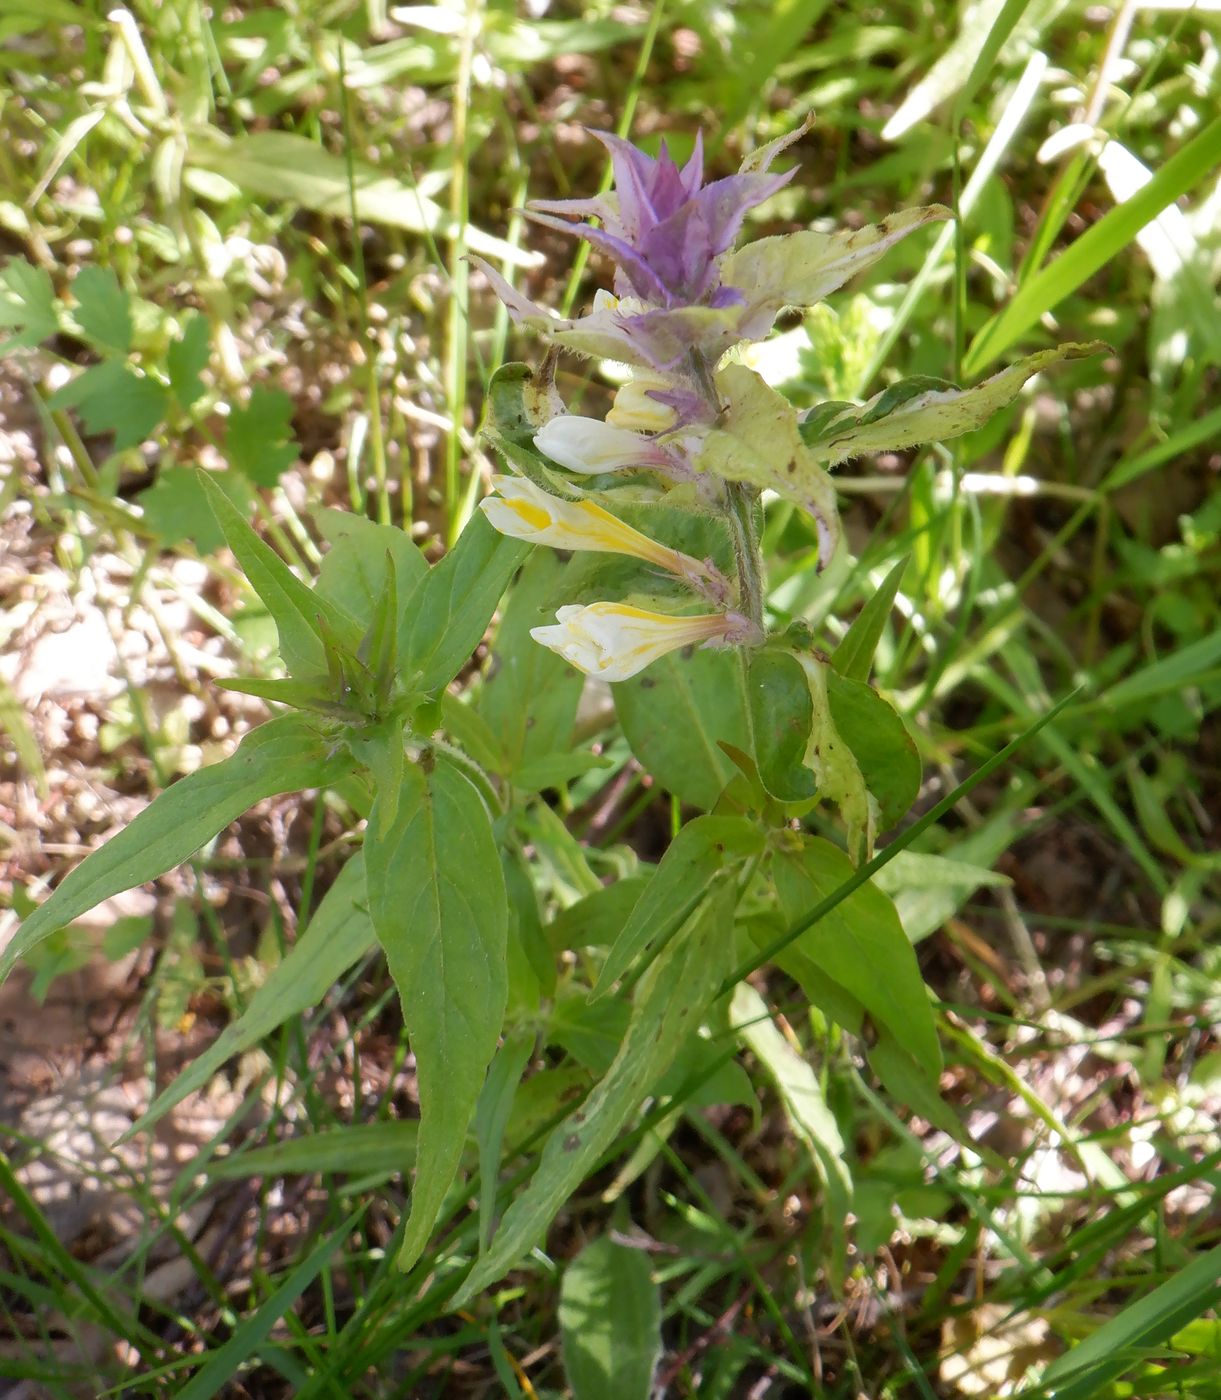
{"points": [[1067, 553]]}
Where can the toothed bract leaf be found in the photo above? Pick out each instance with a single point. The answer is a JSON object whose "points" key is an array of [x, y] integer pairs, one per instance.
{"points": [[757, 440], [800, 269], [910, 413]]}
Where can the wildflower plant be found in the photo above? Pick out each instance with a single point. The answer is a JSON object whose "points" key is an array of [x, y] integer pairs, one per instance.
{"points": [[770, 736]]}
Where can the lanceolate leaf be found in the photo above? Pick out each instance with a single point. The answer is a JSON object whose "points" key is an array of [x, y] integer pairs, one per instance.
{"points": [[781, 715], [670, 999], [283, 755], [339, 933], [294, 606], [854, 655], [910, 413], [757, 440], [830, 758], [448, 612], [860, 945], [701, 849], [437, 901]]}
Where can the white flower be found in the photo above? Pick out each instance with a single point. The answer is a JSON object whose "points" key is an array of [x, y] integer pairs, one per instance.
{"points": [[527, 512], [614, 641], [589, 445]]}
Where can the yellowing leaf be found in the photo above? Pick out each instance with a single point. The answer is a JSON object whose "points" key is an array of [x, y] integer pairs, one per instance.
{"points": [[799, 269], [911, 412], [757, 440]]}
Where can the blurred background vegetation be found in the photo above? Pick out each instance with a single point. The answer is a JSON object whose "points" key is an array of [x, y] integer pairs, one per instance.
{"points": [[235, 237]]}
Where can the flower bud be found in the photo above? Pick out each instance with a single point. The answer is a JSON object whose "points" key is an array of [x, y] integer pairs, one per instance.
{"points": [[590, 446]]}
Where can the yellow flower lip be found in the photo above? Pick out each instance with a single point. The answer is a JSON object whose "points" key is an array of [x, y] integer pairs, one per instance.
{"points": [[527, 512], [614, 641]]}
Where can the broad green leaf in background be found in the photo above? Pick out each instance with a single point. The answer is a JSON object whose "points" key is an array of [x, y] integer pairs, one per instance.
{"points": [[446, 615], [669, 1002], [673, 715], [259, 436], [531, 695], [176, 506], [113, 398], [285, 754], [354, 567], [299, 613], [597, 920], [103, 310], [781, 713], [27, 305], [610, 1323], [884, 751], [437, 901], [918, 411], [282, 165], [702, 849], [853, 657], [187, 357], [757, 440], [339, 933], [860, 944]]}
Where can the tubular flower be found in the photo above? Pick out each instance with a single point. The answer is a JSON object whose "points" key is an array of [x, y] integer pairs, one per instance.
{"points": [[614, 641], [526, 512], [590, 446]]}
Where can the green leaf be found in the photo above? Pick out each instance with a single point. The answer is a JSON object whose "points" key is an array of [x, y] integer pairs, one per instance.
{"points": [[884, 751], [670, 1001], [259, 439], [531, 695], [354, 568], [853, 657], [448, 612], [781, 714], [176, 507], [27, 305], [339, 933], [1096, 247], [437, 901], [674, 714], [281, 165], [299, 613], [804, 1106], [701, 849], [113, 398], [187, 358], [860, 944], [597, 920], [283, 755], [492, 1118], [364, 1149], [895, 419], [1125, 1340], [757, 440], [610, 1323], [103, 310]]}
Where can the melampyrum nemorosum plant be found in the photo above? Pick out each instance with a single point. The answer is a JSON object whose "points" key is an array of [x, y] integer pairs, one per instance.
{"points": [[752, 722]]}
